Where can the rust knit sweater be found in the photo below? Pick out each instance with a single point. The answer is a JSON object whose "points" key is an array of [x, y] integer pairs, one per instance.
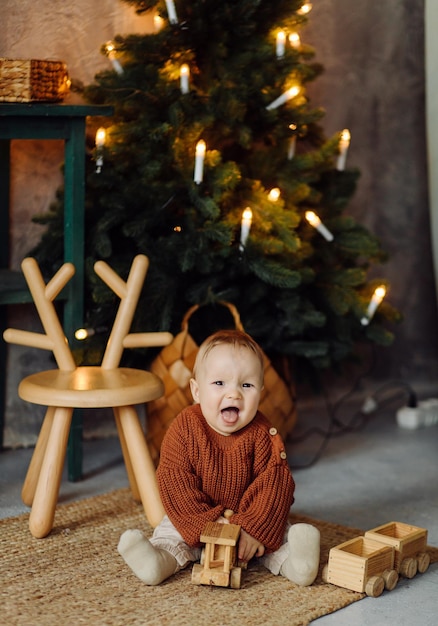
{"points": [[202, 473]]}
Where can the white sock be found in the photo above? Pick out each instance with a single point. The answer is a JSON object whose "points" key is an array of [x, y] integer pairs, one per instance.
{"points": [[152, 565], [302, 564]]}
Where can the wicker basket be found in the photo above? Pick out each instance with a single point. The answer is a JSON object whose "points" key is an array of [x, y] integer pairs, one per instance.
{"points": [[33, 81], [174, 365]]}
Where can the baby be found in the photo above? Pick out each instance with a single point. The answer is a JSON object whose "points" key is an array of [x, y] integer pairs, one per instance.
{"points": [[222, 453]]}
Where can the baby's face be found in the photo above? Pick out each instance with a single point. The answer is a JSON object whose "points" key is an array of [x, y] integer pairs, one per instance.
{"points": [[228, 387]]}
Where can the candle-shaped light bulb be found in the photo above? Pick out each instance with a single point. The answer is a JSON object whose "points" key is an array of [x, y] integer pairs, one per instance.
{"points": [[376, 299], [199, 161], [292, 143], [291, 148], [305, 8], [84, 333], [158, 22], [184, 75], [81, 334], [287, 95], [344, 144], [245, 227], [171, 12], [100, 142], [294, 40], [315, 221], [280, 44], [111, 53], [100, 137], [274, 194]]}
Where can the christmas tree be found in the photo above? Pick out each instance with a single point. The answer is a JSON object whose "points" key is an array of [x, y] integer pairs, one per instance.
{"points": [[216, 167]]}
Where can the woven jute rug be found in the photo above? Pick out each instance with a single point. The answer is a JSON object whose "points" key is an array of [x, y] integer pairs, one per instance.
{"points": [[75, 576]]}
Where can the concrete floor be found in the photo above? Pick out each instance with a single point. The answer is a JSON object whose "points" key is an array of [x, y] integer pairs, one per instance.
{"points": [[363, 479]]}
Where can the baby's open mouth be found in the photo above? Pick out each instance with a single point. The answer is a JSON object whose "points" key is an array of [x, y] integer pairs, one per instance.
{"points": [[230, 414]]}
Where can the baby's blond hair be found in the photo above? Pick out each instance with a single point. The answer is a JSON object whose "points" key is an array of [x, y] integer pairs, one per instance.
{"points": [[235, 338]]}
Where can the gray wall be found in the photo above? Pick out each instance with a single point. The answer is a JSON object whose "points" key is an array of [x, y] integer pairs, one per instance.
{"points": [[373, 84]]}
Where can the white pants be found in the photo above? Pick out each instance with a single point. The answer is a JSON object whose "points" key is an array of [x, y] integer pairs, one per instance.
{"points": [[168, 538]]}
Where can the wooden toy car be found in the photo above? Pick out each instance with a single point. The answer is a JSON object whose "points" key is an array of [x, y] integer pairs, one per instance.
{"points": [[362, 564], [410, 544], [219, 560]]}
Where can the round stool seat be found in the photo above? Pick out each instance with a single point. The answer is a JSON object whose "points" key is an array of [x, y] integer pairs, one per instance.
{"points": [[91, 386]]}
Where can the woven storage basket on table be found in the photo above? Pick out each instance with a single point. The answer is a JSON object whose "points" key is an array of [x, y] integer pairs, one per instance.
{"points": [[174, 365], [33, 80]]}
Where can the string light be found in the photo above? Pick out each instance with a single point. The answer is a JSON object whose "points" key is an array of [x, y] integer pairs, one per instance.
{"points": [[344, 144], [280, 45], [158, 22], [111, 54], [294, 40], [292, 142], [84, 333], [245, 227], [100, 142], [287, 95], [100, 137], [184, 74], [315, 221], [305, 8], [376, 299], [171, 12], [274, 194], [199, 162]]}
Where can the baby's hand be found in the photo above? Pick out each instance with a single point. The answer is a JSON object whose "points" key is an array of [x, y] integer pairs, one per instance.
{"points": [[225, 518], [249, 547]]}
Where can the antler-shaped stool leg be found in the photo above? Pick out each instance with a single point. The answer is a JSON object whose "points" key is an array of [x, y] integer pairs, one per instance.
{"points": [[34, 469], [139, 465], [49, 480]]}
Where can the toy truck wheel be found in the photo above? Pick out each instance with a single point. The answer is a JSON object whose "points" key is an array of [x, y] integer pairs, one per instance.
{"points": [[408, 567], [324, 573], [423, 562], [390, 576], [196, 573], [235, 577], [375, 586]]}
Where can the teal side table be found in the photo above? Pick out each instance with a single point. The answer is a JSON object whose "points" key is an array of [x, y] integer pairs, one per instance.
{"points": [[48, 121]]}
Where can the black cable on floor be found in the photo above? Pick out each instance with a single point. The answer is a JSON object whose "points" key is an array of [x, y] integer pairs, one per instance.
{"points": [[337, 428]]}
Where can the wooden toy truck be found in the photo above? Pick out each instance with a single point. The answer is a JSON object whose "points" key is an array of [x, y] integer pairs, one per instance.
{"points": [[410, 544], [372, 563], [363, 565], [219, 558]]}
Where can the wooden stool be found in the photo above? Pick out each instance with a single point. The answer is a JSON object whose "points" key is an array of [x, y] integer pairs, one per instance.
{"points": [[70, 387]]}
